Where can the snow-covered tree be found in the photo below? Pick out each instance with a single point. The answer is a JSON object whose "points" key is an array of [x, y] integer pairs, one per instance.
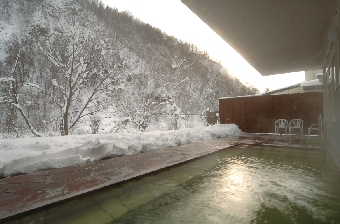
{"points": [[63, 60], [13, 87], [85, 61]]}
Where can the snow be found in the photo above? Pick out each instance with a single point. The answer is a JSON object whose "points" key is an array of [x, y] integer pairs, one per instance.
{"points": [[7, 29], [28, 155], [314, 82], [5, 32], [6, 79]]}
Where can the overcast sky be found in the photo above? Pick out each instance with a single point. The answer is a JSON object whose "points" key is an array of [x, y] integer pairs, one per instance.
{"points": [[174, 18]]}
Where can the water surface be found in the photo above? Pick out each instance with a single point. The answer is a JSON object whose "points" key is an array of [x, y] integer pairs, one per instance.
{"points": [[243, 184]]}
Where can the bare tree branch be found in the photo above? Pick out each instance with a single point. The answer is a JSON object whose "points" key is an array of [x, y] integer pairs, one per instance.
{"points": [[90, 98]]}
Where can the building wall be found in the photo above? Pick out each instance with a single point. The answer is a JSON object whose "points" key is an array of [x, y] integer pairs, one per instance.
{"points": [[257, 114], [310, 75], [331, 84], [332, 129]]}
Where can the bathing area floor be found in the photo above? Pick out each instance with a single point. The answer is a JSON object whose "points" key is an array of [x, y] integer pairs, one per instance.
{"points": [[24, 193]]}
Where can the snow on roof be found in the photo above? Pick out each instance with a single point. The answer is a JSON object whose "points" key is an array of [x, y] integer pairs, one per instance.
{"points": [[310, 83], [227, 97], [314, 82], [282, 89]]}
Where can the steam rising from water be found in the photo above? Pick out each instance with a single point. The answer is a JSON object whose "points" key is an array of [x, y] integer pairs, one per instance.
{"points": [[254, 186], [237, 185]]}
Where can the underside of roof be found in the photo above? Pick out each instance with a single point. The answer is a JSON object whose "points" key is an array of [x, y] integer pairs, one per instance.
{"points": [[274, 36]]}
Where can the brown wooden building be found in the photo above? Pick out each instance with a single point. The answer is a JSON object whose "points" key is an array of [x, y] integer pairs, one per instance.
{"points": [[257, 114]]}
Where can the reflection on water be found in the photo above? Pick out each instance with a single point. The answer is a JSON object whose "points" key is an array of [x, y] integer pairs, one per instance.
{"points": [[253, 184]]}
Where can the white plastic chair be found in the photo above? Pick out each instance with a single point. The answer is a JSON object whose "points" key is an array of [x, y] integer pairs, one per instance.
{"points": [[295, 124], [281, 123], [314, 127]]}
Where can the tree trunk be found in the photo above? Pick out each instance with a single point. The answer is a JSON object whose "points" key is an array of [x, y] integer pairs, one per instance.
{"points": [[65, 123]]}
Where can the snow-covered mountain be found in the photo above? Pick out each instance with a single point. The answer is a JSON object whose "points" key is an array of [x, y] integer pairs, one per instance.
{"points": [[75, 66]]}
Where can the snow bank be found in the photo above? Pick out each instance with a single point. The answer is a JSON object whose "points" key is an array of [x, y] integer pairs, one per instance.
{"points": [[28, 155]]}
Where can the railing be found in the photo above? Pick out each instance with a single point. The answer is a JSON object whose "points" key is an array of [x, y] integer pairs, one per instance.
{"points": [[322, 140]]}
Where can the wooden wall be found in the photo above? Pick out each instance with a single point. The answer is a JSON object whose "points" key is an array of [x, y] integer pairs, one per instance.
{"points": [[257, 114]]}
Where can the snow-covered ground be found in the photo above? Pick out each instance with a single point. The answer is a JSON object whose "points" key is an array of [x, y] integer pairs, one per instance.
{"points": [[27, 155]]}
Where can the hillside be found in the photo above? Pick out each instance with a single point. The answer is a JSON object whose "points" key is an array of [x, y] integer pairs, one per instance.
{"points": [[76, 67]]}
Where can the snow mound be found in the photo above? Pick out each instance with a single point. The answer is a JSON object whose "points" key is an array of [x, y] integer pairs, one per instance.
{"points": [[28, 155]]}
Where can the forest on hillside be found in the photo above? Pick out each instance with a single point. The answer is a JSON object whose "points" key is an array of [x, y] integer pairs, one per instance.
{"points": [[77, 67]]}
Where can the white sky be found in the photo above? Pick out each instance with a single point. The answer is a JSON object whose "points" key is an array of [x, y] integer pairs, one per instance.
{"points": [[174, 18]]}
